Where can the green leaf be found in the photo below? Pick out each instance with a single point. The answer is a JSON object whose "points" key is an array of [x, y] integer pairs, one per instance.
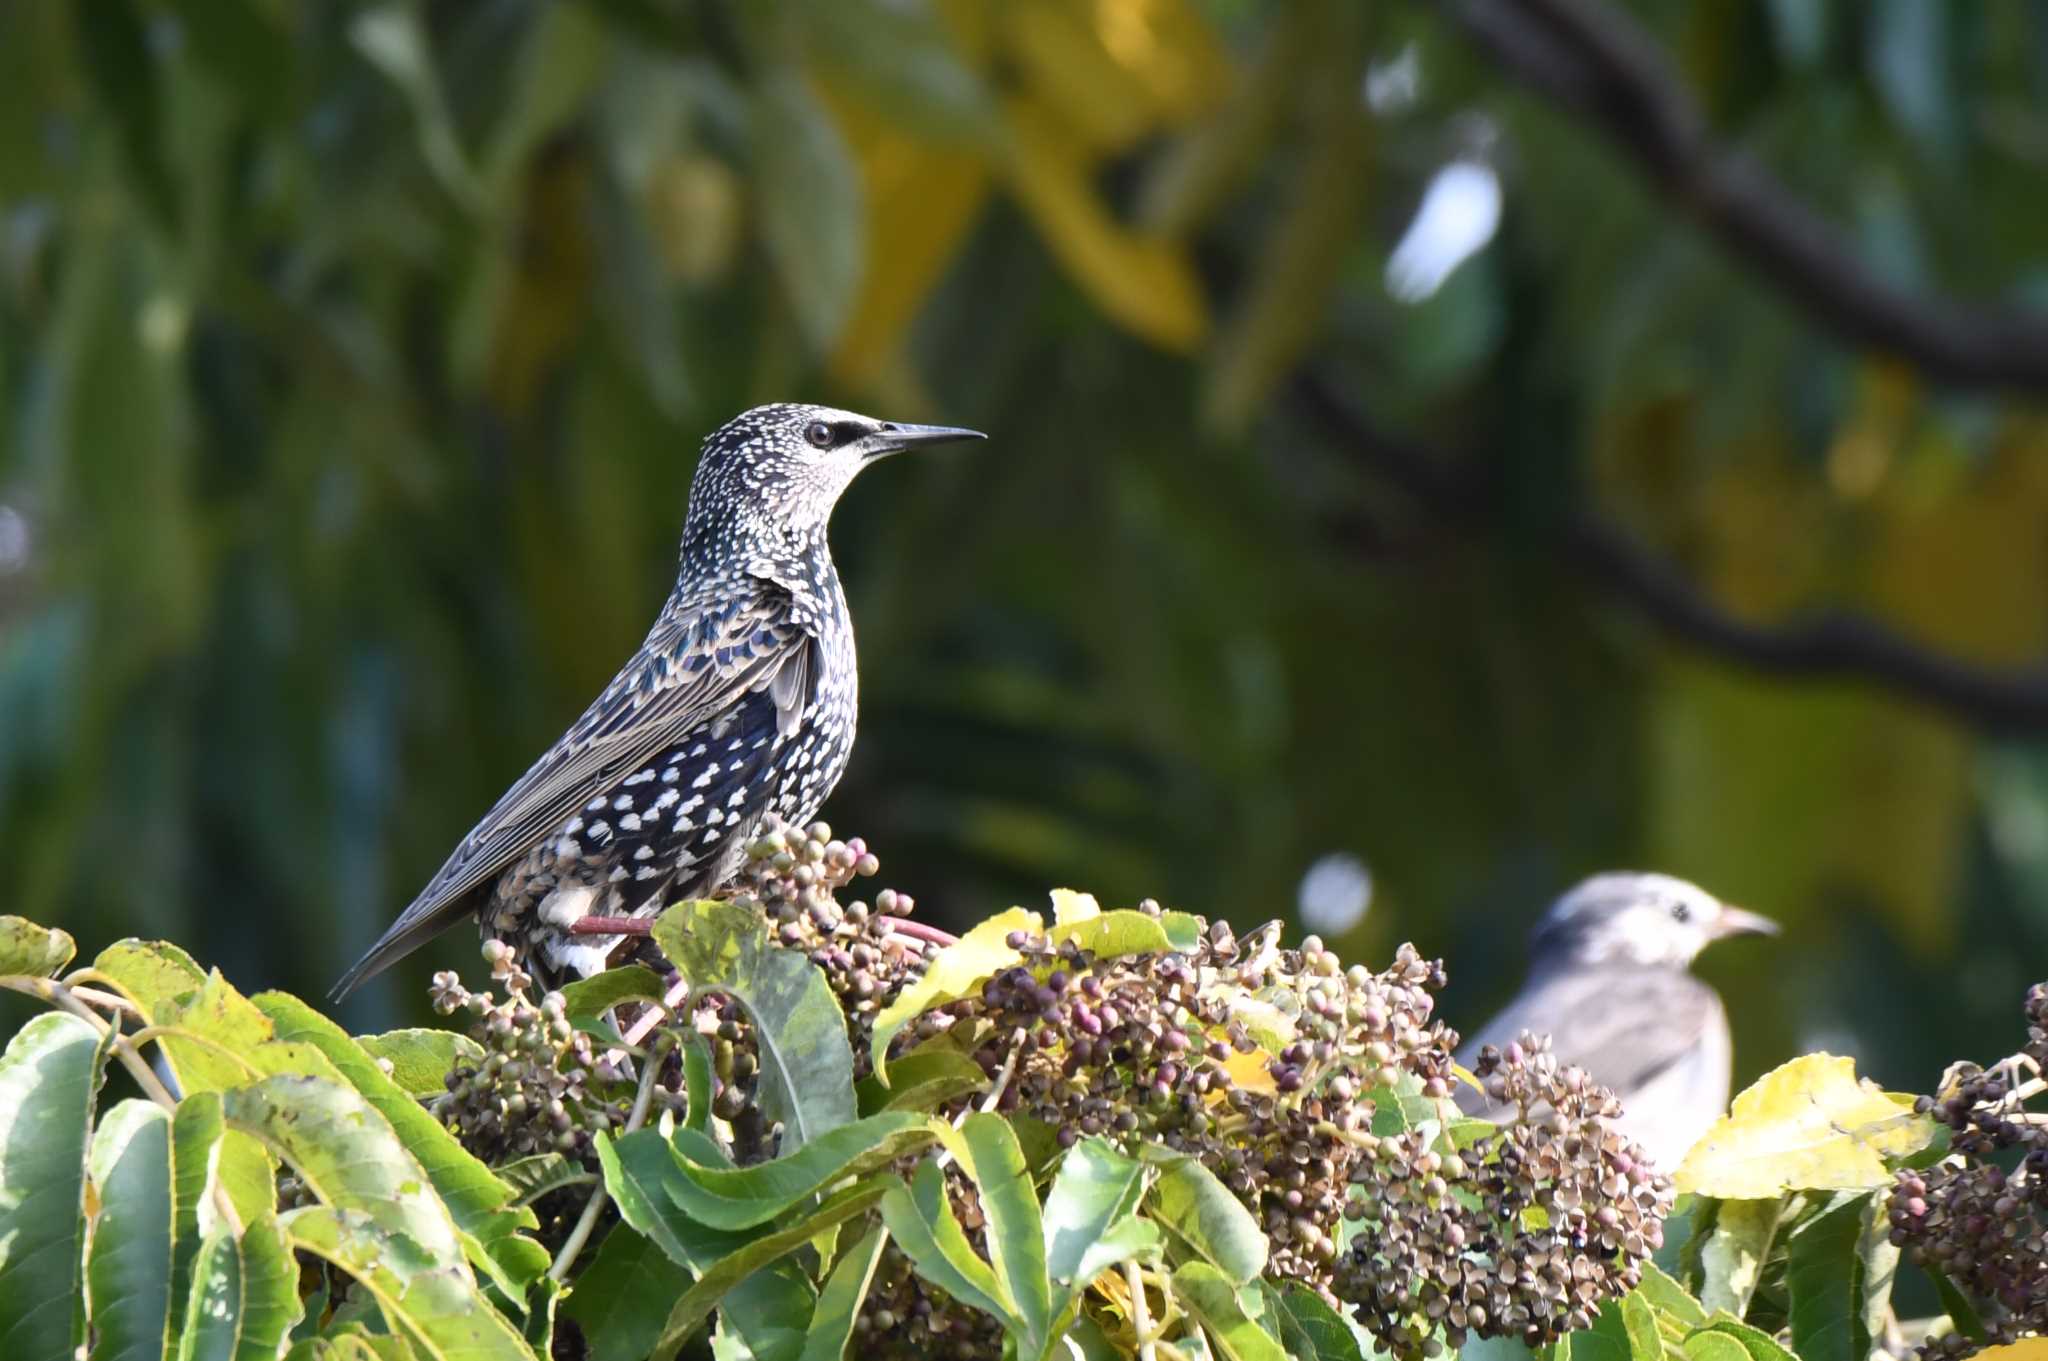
{"points": [[743, 1197], [421, 1059], [1211, 1297], [810, 203], [245, 1296], [1183, 930], [922, 1080], [439, 1308], [806, 1076], [1709, 1345], [639, 1171], [1667, 1296], [1401, 1107], [38, 951], [128, 1271], [207, 1154], [592, 997], [899, 60], [1957, 1306], [48, 1078], [1823, 1276], [349, 1156], [1756, 1343], [622, 1298], [721, 1276], [1328, 1336], [695, 1057], [532, 1177], [839, 1302], [953, 973], [921, 1220], [1096, 1189], [218, 1038], [1639, 1322], [1733, 1255], [770, 1311], [1202, 1211], [479, 1202], [988, 1152]]}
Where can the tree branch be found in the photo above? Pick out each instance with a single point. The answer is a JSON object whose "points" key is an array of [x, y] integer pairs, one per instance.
{"points": [[1823, 645], [1597, 62]]}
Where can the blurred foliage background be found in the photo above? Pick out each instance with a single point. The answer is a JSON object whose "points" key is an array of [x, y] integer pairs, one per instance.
{"points": [[1491, 440]]}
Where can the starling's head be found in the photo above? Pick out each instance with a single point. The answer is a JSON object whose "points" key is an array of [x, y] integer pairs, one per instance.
{"points": [[1625, 917], [776, 472]]}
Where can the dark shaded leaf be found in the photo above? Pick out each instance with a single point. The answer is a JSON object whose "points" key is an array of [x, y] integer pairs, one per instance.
{"points": [[128, 1271], [623, 1296], [48, 1078]]}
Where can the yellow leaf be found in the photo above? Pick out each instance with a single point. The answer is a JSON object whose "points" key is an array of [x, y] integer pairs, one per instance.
{"points": [[1098, 103], [1069, 907], [1808, 1125], [954, 972], [1145, 283], [1250, 1072]]}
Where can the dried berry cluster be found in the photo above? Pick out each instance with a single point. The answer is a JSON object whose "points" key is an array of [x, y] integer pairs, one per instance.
{"points": [[1486, 1264], [868, 953], [539, 1087], [1269, 1065], [1980, 1216]]}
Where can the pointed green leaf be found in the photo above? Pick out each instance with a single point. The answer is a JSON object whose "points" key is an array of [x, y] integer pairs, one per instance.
{"points": [[1667, 1296], [840, 1301], [1096, 1189], [696, 1060], [349, 1156], [38, 951], [1109, 935], [421, 1059], [1211, 1297], [532, 1177], [922, 1080], [921, 1221], [436, 1305], [743, 1197], [1733, 1254], [1823, 1276], [245, 1296], [640, 1169], [128, 1271], [721, 1276], [806, 1076], [1202, 1211], [591, 997], [988, 1152], [1639, 1322], [769, 1311], [48, 1078], [622, 1298], [1328, 1336], [953, 973], [480, 1203], [1757, 1344], [1708, 1345]]}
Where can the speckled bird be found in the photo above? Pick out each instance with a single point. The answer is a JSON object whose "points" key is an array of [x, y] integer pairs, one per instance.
{"points": [[742, 702]]}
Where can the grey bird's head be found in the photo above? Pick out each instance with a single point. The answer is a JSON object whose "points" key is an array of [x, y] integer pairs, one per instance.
{"points": [[1648, 920], [768, 478]]}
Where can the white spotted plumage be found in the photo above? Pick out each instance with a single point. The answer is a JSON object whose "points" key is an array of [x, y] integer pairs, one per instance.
{"points": [[745, 693]]}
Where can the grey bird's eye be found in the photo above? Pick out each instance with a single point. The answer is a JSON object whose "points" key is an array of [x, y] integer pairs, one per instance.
{"points": [[1680, 912], [819, 434]]}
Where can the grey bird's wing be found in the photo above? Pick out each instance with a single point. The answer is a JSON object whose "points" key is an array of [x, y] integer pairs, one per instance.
{"points": [[1625, 1026], [700, 660]]}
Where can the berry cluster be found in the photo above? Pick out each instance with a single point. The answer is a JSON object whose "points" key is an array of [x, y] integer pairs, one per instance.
{"points": [[1980, 1216], [539, 1087], [1453, 1243]]}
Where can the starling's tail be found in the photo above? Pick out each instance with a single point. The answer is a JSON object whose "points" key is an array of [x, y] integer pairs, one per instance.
{"points": [[406, 935]]}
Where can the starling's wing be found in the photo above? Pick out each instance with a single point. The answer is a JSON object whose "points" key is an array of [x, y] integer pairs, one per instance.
{"points": [[1625, 1026], [698, 663]]}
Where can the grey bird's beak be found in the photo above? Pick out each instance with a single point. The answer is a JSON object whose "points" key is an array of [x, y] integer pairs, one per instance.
{"points": [[1739, 921], [894, 437]]}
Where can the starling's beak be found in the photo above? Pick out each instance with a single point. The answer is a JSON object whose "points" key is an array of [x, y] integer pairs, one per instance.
{"points": [[1738, 921], [894, 437]]}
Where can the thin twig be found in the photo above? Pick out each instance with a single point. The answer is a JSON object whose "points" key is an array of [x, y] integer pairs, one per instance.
{"points": [[924, 931], [56, 994], [678, 992], [612, 926]]}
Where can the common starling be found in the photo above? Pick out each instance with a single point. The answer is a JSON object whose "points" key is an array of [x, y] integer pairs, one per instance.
{"points": [[1608, 983], [741, 702]]}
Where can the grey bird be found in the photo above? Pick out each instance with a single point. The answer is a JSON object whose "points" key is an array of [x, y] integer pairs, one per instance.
{"points": [[1609, 983], [741, 702]]}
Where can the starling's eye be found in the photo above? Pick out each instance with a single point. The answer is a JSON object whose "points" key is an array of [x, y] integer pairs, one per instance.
{"points": [[1680, 912], [819, 434]]}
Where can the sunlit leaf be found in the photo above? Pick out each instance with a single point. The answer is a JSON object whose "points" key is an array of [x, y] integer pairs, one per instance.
{"points": [[1189, 1200], [1810, 1124], [922, 1222], [26, 948], [422, 1059], [128, 1271], [734, 1198], [48, 1078], [839, 1303], [1211, 1297], [988, 1152], [245, 1295], [954, 972]]}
